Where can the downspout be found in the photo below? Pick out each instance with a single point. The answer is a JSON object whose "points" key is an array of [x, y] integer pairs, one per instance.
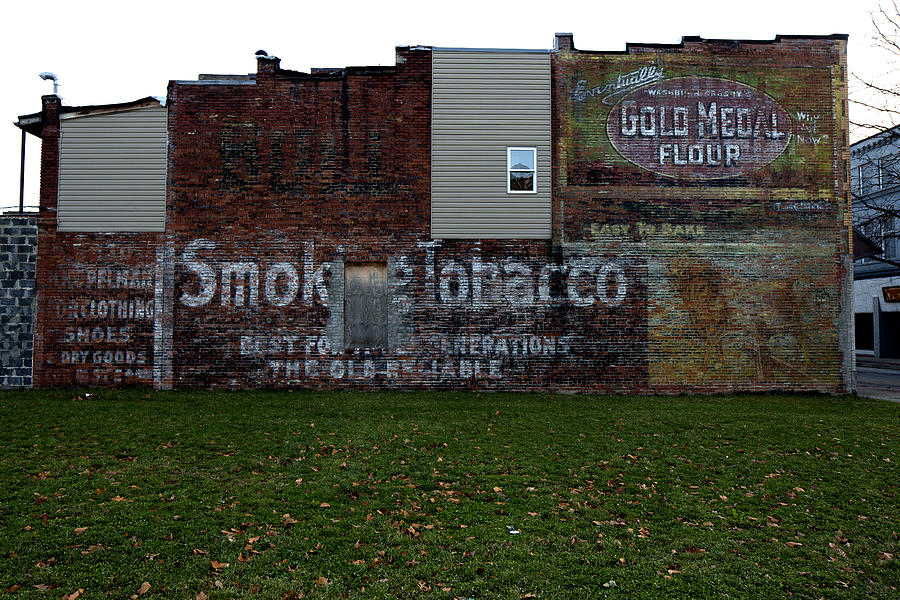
{"points": [[22, 176]]}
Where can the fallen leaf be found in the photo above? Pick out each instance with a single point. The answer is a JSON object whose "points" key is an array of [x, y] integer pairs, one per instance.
{"points": [[792, 544], [46, 563], [80, 530], [322, 581], [74, 595], [219, 565], [200, 596], [145, 587], [324, 505], [118, 499], [199, 551]]}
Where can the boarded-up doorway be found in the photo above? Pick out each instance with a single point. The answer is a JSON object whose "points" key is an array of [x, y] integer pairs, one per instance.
{"points": [[365, 305]]}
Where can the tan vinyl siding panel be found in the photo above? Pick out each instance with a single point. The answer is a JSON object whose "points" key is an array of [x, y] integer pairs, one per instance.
{"points": [[112, 171], [483, 103]]}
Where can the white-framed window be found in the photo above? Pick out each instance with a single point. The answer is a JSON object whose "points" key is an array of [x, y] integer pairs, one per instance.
{"points": [[521, 170]]}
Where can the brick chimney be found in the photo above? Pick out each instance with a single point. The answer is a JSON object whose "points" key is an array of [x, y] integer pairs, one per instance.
{"points": [[563, 42], [51, 106], [266, 66]]}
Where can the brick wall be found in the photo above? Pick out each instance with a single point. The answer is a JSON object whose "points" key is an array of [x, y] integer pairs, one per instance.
{"points": [[748, 275], [96, 293], [284, 190], [18, 252]]}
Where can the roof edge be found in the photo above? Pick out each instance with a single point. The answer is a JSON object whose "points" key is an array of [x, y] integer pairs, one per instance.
{"points": [[696, 39]]}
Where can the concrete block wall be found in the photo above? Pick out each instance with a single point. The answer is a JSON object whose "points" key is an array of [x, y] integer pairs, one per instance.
{"points": [[18, 254]]}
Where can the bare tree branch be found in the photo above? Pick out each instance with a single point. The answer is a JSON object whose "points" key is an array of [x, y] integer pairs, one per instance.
{"points": [[876, 178]]}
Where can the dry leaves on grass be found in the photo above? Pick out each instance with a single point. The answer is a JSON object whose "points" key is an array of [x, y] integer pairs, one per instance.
{"points": [[145, 587], [74, 595]]}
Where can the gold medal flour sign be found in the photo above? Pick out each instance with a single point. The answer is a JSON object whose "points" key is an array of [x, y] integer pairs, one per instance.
{"points": [[699, 128]]}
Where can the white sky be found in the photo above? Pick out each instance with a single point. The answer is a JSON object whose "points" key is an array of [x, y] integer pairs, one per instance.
{"points": [[113, 51]]}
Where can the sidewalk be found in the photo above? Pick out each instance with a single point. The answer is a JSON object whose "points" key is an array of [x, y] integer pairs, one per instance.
{"points": [[878, 378]]}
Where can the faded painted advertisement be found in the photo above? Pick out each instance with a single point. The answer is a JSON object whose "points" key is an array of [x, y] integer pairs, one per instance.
{"points": [[699, 128], [109, 316], [473, 281], [624, 122], [446, 315]]}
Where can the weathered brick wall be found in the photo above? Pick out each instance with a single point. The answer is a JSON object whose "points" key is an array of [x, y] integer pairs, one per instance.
{"points": [[18, 252], [285, 192], [742, 220], [95, 293], [272, 203], [97, 310]]}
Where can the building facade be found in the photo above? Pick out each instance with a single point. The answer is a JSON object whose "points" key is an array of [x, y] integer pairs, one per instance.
{"points": [[875, 184], [660, 220]]}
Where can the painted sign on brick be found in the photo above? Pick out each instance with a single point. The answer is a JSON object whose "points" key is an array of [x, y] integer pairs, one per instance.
{"points": [[699, 128], [105, 323]]}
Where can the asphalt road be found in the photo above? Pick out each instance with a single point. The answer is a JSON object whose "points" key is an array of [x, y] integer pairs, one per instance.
{"points": [[882, 384]]}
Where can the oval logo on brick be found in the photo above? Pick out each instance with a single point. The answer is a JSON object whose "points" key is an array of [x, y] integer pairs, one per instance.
{"points": [[699, 128]]}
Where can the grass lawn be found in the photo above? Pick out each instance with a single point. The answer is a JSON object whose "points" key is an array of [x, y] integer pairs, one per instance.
{"points": [[131, 493]]}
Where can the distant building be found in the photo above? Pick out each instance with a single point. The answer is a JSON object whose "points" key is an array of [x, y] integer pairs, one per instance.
{"points": [[875, 184]]}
